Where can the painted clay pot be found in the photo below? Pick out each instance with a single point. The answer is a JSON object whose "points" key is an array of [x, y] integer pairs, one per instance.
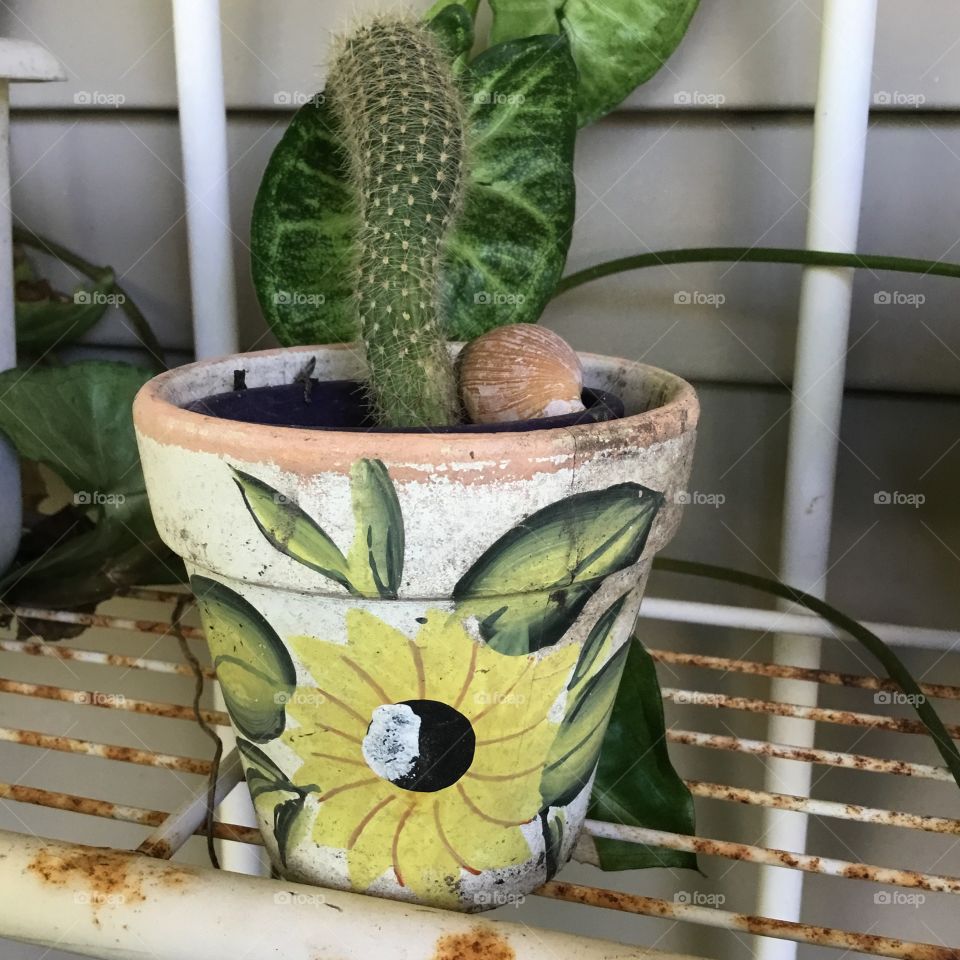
{"points": [[419, 636]]}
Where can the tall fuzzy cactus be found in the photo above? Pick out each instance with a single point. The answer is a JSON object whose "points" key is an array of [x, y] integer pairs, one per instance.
{"points": [[402, 119]]}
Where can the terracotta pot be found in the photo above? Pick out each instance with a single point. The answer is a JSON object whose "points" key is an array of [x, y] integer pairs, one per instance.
{"points": [[418, 636]]}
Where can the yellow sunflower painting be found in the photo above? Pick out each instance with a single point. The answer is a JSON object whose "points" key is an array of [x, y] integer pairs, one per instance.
{"points": [[428, 752]]}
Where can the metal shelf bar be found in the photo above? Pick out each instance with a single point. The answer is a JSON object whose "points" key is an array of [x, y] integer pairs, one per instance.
{"points": [[60, 652], [798, 624], [830, 758], [806, 863], [828, 677], [110, 701], [761, 926], [699, 698], [108, 751], [823, 808], [92, 807]]}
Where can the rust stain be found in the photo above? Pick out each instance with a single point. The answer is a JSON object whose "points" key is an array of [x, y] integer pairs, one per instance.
{"points": [[98, 874], [482, 942], [158, 849], [65, 801]]}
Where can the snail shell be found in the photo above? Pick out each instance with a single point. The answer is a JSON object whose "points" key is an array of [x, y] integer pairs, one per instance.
{"points": [[519, 372]]}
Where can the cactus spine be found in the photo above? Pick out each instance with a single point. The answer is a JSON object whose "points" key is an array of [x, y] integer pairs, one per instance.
{"points": [[402, 119]]}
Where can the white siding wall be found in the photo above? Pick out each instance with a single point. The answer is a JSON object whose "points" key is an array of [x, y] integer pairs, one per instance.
{"points": [[106, 181]]}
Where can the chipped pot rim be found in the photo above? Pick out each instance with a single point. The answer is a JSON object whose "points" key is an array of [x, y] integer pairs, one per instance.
{"points": [[159, 414]]}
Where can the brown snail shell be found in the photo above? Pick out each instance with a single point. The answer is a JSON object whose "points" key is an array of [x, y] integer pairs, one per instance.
{"points": [[519, 372]]}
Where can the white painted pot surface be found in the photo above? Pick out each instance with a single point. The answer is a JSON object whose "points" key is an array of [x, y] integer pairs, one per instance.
{"points": [[418, 636]]}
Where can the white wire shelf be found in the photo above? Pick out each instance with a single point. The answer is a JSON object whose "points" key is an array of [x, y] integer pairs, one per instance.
{"points": [[167, 831]]}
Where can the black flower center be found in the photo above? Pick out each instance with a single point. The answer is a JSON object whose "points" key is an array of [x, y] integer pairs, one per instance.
{"points": [[421, 745]]}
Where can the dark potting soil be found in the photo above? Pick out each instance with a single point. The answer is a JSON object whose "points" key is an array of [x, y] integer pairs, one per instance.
{"points": [[341, 405]]}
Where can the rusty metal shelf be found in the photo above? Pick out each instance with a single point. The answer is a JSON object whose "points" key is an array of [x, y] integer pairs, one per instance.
{"points": [[169, 830]]}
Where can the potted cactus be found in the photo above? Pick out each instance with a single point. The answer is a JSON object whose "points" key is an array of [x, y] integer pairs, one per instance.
{"points": [[418, 565]]}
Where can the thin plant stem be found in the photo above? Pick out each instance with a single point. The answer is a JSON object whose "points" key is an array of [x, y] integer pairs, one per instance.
{"points": [[809, 258], [139, 322], [894, 666]]}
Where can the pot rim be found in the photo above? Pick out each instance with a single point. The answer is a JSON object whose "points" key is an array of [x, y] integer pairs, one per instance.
{"points": [[159, 417]]}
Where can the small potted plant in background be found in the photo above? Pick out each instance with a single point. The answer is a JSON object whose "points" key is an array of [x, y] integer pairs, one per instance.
{"points": [[418, 568]]}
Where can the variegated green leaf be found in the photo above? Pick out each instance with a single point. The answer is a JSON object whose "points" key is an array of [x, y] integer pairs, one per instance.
{"points": [[617, 45], [291, 530], [509, 245], [506, 251], [527, 589], [301, 236], [453, 25], [255, 671], [573, 756]]}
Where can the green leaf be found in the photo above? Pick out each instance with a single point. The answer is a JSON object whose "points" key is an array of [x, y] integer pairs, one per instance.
{"points": [[375, 561], [507, 249], [453, 25], [527, 589], [573, 756], [471, 6], [55, 320], [513, 19], [291, 531], [89, 566], [77, 420], [255, 671], [617, 45], [636, 784], [505, 252], [304, 225], [595, 641]]}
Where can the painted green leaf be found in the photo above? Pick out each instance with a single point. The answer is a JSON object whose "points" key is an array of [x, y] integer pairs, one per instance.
{"points": [[573, 756], [617, 45], [636, 783], [509, 245], [376, 557], [291, 823], [255, 671], [302, 232], [506, 252], [291, 531], [54, 320], [553, 828], [527, 589], [271, 789], [259, 766], [595, 641]]}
